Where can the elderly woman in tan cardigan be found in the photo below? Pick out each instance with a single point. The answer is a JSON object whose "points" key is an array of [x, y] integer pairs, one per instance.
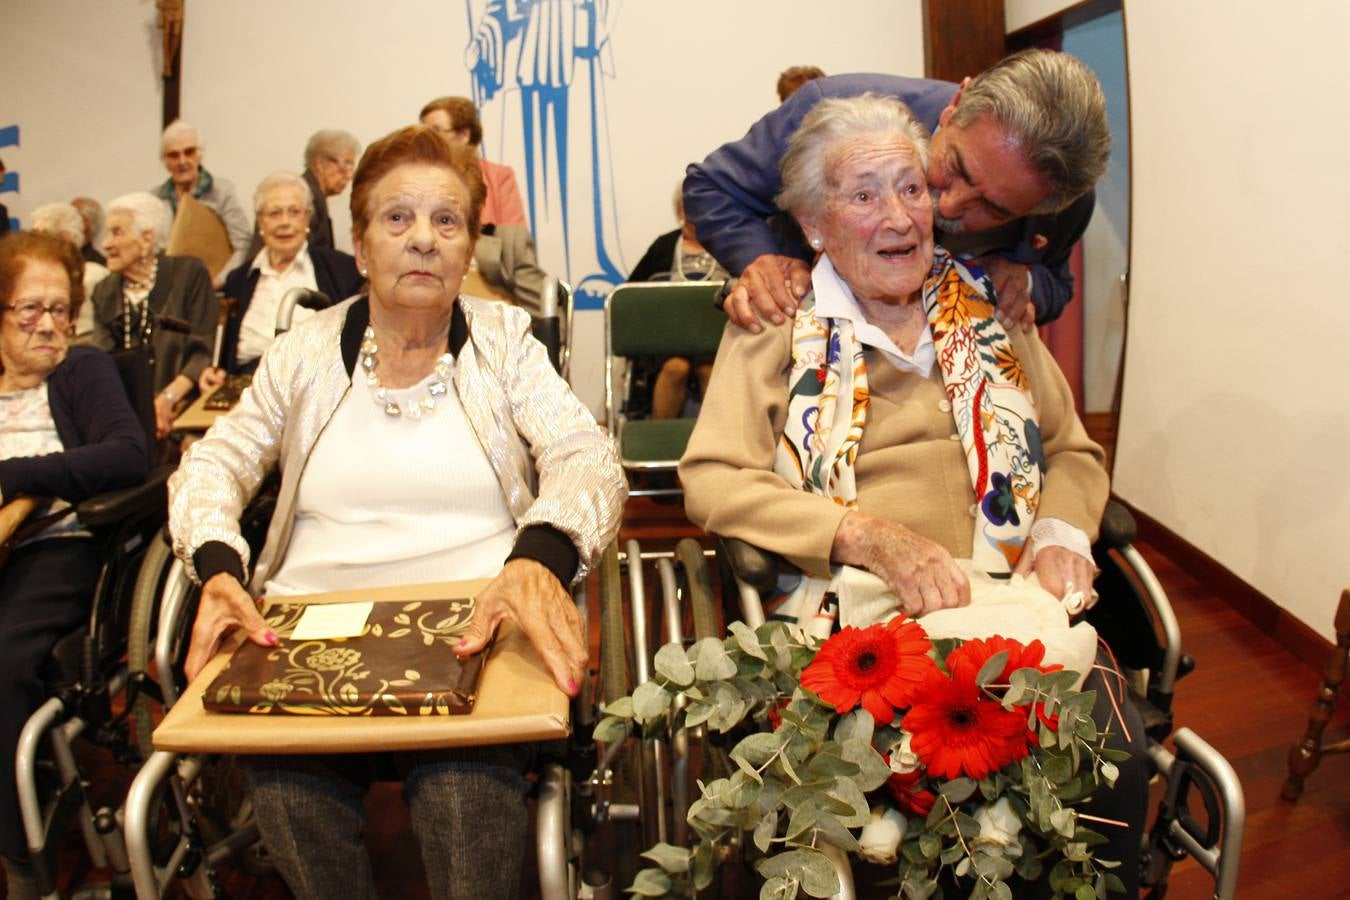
{"points": [[894, 426]]}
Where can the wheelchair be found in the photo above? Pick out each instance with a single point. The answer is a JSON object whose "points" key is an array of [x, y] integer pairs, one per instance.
{"points": [[86, 672], [1201, 812]]}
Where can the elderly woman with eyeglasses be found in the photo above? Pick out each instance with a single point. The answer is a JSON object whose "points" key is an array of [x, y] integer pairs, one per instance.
{"points": [[164, 301], [284, 209], [67, 432]]}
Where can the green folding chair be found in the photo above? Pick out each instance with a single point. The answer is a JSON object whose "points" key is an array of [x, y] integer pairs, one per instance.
{"points": [[656, 319]]}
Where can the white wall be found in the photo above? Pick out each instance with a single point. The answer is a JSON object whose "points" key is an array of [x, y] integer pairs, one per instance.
{"points": [[670, 85], [1021, 13], [81, 81], [1234, 425]]}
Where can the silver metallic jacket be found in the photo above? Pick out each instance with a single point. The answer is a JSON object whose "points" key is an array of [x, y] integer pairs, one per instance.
{"points": [[555, 465]]}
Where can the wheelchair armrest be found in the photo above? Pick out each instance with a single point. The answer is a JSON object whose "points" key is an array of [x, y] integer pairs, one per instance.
{"points": [[114, 506], [1118, 530], [756, 567]]}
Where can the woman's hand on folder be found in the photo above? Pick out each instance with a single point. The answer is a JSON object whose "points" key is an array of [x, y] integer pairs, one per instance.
{"points": [[529, 593], [225, 606]]}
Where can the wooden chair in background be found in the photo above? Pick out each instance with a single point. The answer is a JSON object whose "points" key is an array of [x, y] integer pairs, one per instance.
{"points": [[1307, 753]]}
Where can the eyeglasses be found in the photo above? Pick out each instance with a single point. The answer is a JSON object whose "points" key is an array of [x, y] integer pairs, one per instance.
{"points": [[346, 165], [30, 313], [186, 153]]}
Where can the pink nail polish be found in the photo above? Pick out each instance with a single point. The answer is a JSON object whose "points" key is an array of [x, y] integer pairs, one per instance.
{"points": [[571, 687], [272, 638], [462, 644]]}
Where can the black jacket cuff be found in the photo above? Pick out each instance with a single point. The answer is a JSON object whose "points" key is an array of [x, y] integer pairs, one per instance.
{"points": [[215, 557], [550, 548]]}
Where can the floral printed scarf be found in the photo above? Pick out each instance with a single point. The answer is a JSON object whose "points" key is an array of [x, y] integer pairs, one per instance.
{"points": [[991, 404]]}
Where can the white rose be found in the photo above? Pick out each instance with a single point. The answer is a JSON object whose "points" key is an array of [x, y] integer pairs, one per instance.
{"points": [[1000, 825], [903, 759], [880, 838]]}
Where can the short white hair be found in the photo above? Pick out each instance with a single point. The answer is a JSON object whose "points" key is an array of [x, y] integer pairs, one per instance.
{"points": [[148, 213], [276, 180], [176, 129], [60, 219], [805, 167], [330, 142]]}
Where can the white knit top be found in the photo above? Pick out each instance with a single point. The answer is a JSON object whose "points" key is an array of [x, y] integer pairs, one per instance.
{"points": [[387, 500]]}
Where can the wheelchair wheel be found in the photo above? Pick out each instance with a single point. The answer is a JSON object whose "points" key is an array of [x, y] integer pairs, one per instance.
{"points": [[698, 581], [615, 680], [144, 622]]}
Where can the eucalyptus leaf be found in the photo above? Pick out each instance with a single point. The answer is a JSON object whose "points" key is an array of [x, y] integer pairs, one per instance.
{"points": [[929, 845], [672, 665], [778, 889], [651, 883], [674, 860], [712, 662], [610, 728], [729, 708], [650, 701], [846, 791], [857, 725], [623, 708], [1085, 892], [957, 790], [1110, 773], [834, 832], [992, 668], [705, 865], [698, 712], [873, 771], [765, 830], [1000, 891], [1063, 821], [757, 749], [802, 820], [747, 640], [811, 867]]}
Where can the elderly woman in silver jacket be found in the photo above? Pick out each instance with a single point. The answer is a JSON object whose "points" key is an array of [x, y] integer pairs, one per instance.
{"points": [[421, 436]]}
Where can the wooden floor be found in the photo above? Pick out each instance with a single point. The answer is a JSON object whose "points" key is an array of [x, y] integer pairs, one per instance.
{"points": [[1248, 697]]}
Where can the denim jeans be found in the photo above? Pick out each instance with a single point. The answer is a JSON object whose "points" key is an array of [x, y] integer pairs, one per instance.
{"points": [[467, 808]]}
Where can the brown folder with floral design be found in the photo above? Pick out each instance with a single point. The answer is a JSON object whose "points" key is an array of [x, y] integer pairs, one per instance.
{"points": [[401, 664]]}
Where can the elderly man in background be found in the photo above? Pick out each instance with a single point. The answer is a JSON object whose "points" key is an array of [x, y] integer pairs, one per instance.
{"points": [[92, 212], [181, 150], [63, 220], [330, 159], [1015, 153]]}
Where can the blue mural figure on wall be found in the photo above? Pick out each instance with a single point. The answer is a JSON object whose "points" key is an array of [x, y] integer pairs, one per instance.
{"points": [[538, 53], [9, 137]]}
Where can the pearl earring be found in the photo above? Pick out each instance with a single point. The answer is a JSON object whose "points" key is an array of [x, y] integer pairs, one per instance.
{"points": [[815, 243]]}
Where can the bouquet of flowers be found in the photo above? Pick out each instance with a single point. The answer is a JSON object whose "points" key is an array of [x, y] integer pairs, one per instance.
{"points": [[959, 762]]}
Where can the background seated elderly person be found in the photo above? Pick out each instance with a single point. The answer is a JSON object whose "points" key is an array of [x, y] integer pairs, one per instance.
{"points": [[181, 149], [147, 289], [456, 120], [330, 159], [675, 256], [68, 433], [894, 425], [91, 211], [63, 220], [284, 208], [421, 436]]}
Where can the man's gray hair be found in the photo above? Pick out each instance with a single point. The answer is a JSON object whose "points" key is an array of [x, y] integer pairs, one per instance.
{"points": [[92, 212], [1053, 106], [176, 129], [148, 213], [277, 179], [331, 142], [60, 219], [806, 166]]}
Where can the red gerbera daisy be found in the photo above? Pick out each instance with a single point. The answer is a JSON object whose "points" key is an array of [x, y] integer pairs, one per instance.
{"points": [[966, 660], [882, 666], [911, 802], [958, 731]]}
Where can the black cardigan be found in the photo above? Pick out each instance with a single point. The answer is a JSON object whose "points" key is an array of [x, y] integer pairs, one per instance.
{"points": [[334, 273], [104, 441]]}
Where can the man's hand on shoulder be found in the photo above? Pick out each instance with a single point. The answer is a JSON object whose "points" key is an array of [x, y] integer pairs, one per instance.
{"points": [[769, 288], [1012, 287]]}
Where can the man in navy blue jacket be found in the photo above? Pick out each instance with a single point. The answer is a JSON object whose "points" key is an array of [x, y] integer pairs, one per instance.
{"points": [[1013, 159]]}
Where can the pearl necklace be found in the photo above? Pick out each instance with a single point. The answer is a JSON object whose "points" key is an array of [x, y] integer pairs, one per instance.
{"points": [[415, 409]]}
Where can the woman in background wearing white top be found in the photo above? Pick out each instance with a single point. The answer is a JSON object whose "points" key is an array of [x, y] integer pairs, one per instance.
{"points": [[284, 208], [421, 436]]}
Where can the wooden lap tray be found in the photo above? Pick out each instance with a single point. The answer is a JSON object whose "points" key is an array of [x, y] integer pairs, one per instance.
{"points": [[197, 417], [517, 701]]}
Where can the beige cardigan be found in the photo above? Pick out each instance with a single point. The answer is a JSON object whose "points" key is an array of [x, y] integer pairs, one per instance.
{"points": [[910, 468]]}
